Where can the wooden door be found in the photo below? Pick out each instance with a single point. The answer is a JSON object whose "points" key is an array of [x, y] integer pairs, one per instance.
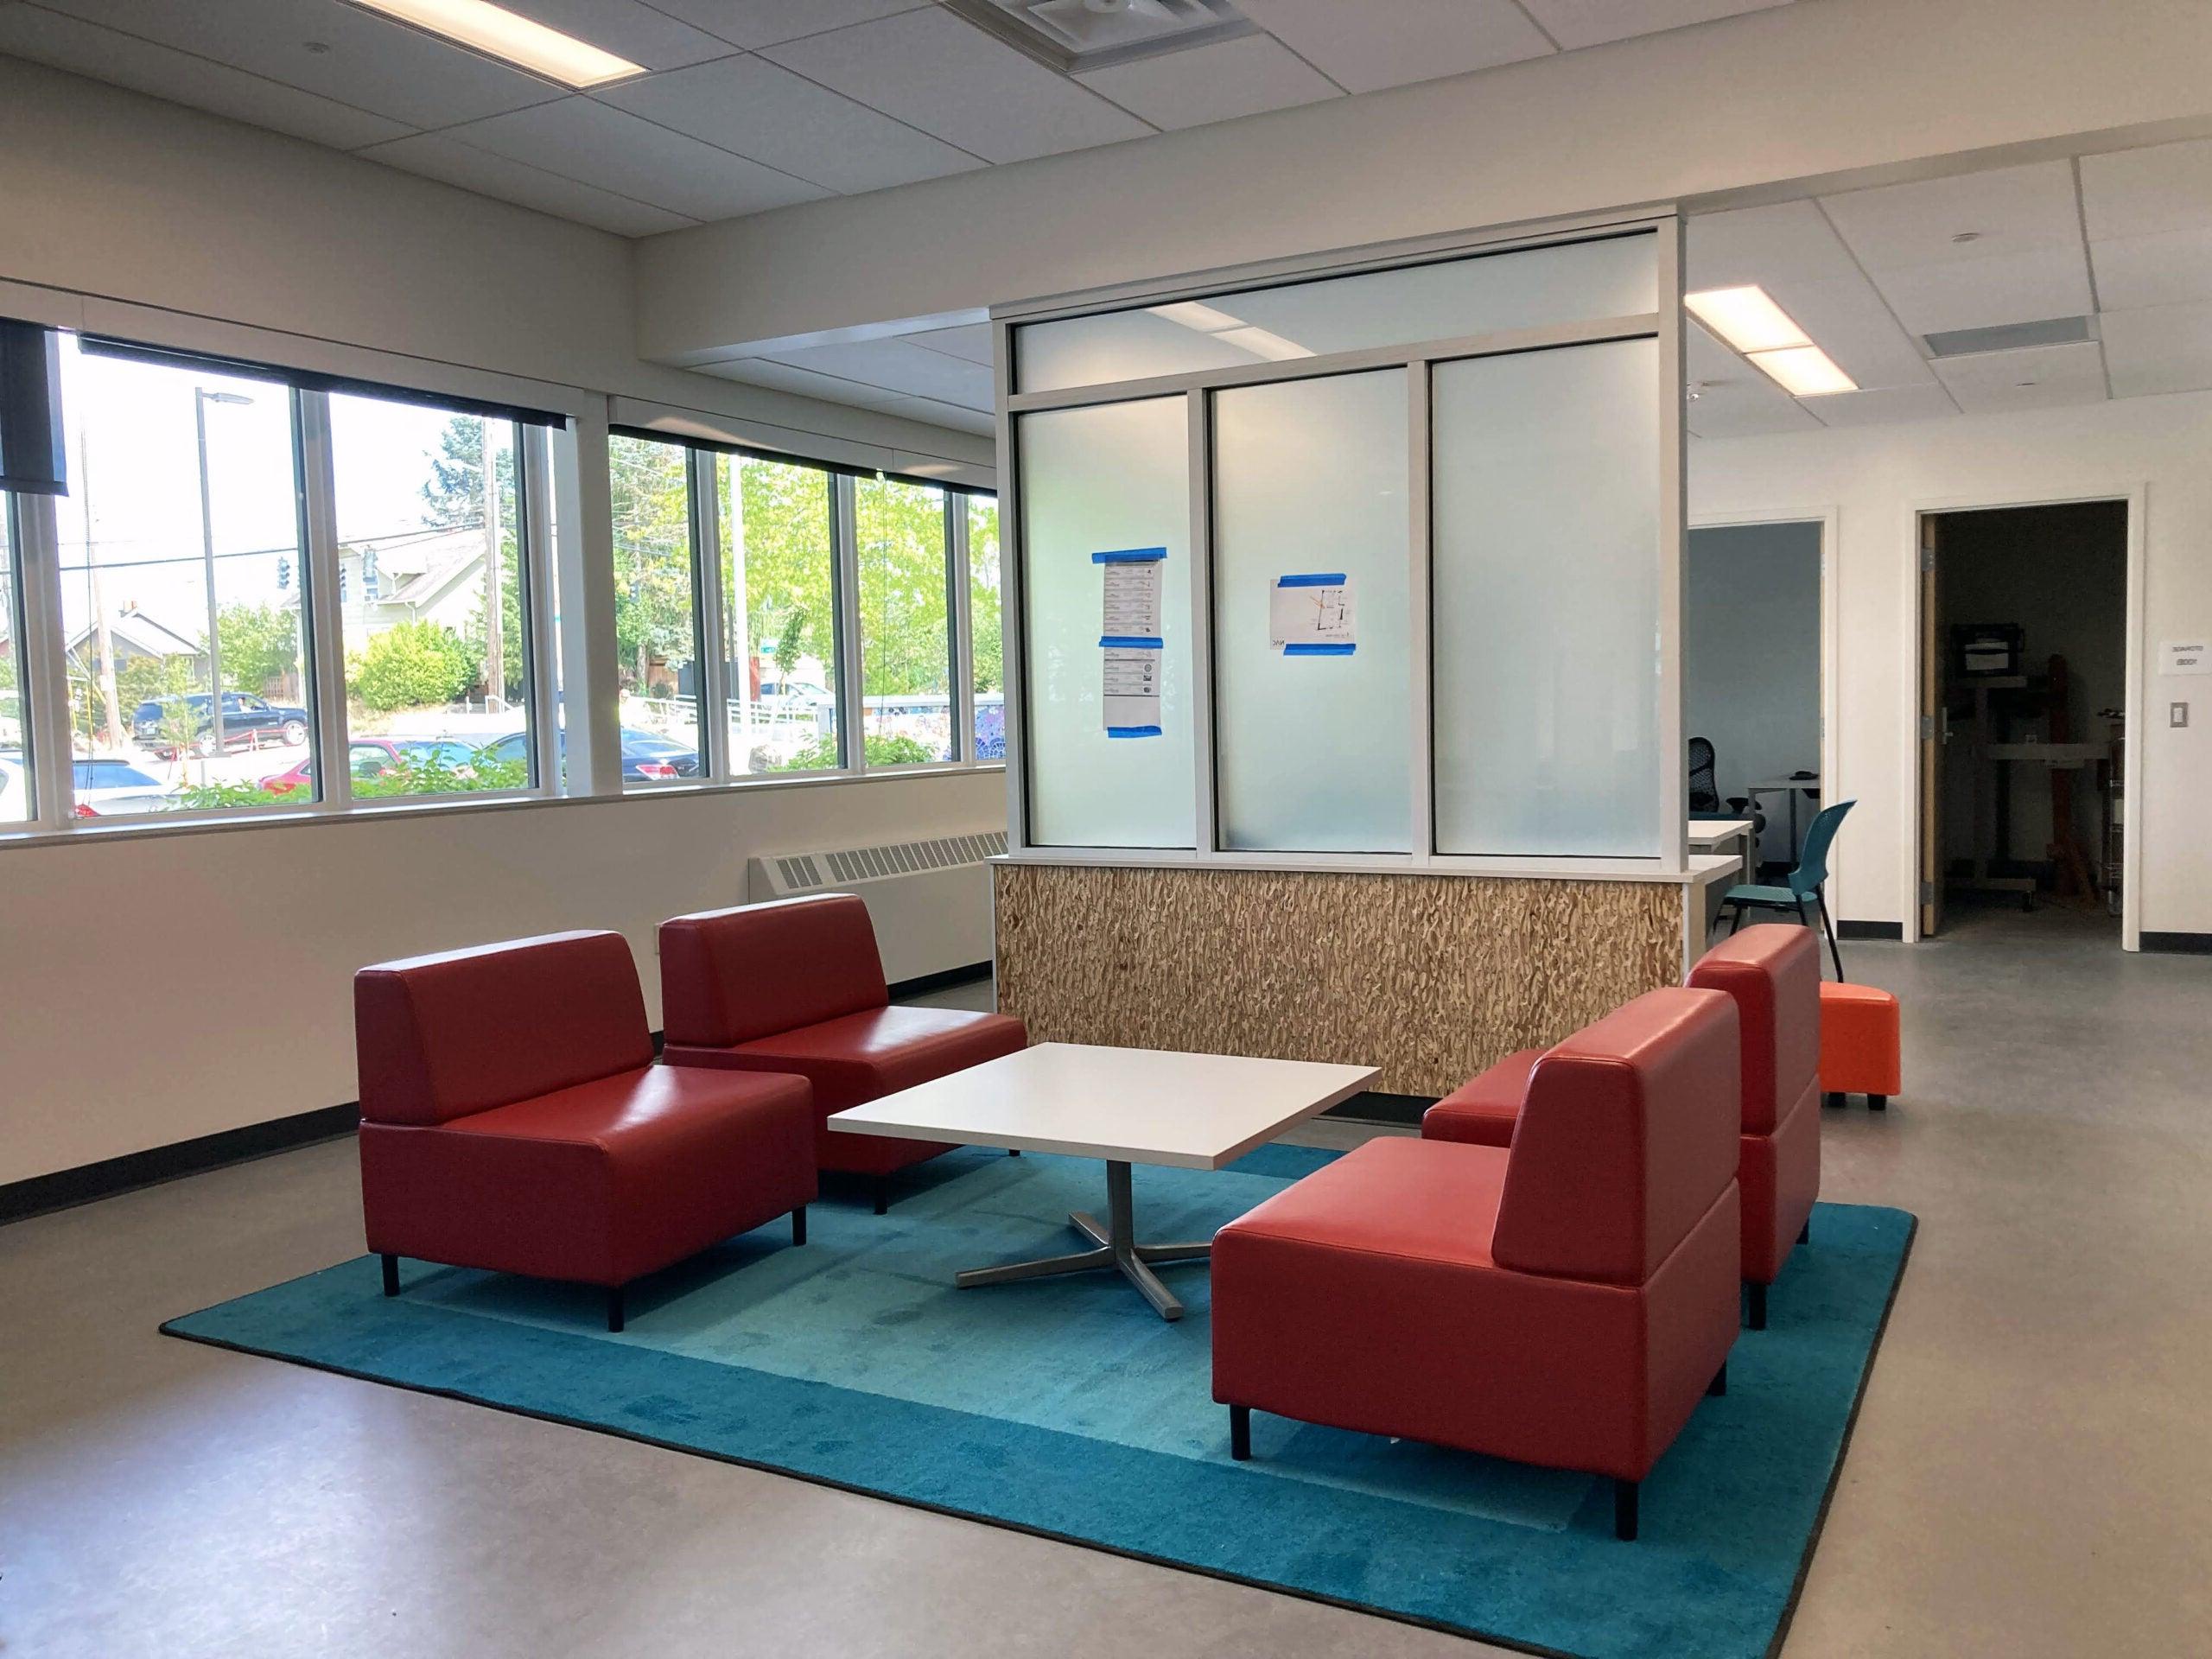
{"points": [[1934, 726]]}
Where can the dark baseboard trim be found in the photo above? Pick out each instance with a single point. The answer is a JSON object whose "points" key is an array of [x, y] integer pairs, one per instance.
{"points": [[66, 1188], [2179, 944], [950, 978], [1870, 929], [1377, 1106]]}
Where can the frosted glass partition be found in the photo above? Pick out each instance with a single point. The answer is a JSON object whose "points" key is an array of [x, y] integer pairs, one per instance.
{"points": [[1613, 276], [1106, 480], [1544, 601], [1312, 615]]}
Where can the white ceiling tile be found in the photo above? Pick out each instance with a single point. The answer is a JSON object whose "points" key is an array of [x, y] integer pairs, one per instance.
{"points": [[1212, 83], [439, 155], [2170, 268], [764, 23], [945, 76], [972, 340], [896, 364], [594, 144], [1879, 405], [2023, 287], [1394, 42], [2144, 192], [645, 34], [2008, 210], [2159, 349], [1765, 245], [1739, 410], [761, 110], [936, 414], [370, 62], [2045, 377], [142, 66], [1591, 22], [1845, 317]]}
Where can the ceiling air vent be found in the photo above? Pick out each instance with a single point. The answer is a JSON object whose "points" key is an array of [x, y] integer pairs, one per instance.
{"points": [[1072, 34], [2009, 337]]}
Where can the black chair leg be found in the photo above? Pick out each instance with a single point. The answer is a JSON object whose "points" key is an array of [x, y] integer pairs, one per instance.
{"points": [[1878, 1103], [614, 1307], [391, 1275], [882, 1194], [1624, 1510], [798, 1226], [1013, 1151], [1718, 1386], [1735, 919], [1240, 1432], [1754, 1300], [1805, 1233], [1820, 897], [1838, 1101]]}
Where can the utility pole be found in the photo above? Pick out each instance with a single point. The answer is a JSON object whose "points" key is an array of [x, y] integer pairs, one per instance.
{"points": [[103, 636], [200, 398]]}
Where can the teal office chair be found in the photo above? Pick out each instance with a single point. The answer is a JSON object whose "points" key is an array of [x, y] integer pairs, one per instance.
{"points": [[1806, 882]]}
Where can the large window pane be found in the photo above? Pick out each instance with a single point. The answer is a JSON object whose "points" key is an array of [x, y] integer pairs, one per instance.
{"points": [[1546, 602], [905, 622], [1311, 749], [1525, 289], [987, 651], [656, 610], [779, 615], [1111, 479], [431, 586], [181, 573], [15, 805]]}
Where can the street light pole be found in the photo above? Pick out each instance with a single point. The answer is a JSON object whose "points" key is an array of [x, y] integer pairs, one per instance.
{"points": [[200, 398]]}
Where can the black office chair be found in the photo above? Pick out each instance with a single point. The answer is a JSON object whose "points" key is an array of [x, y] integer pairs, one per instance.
{"points": [[1705, 792]]}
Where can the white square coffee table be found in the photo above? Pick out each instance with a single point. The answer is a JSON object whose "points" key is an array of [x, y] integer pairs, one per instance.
{"points": [[1124, 1105]]}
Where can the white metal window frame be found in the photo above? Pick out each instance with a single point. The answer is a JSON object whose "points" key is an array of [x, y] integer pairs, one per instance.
{"points": [[1418, 360]]}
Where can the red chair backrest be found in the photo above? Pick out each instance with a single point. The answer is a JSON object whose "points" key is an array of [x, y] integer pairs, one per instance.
{"points": [[443, 1036], [727, 976], [1773, 971], [1627, 1137]]}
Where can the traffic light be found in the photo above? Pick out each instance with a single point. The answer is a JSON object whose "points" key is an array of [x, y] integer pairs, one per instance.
{"points": [[283, 574]]}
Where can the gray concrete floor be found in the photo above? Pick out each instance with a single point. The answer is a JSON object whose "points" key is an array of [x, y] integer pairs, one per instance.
{"points": [[2031, 1475]]}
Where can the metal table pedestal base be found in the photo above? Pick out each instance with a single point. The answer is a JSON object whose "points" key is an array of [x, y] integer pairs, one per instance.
{"points": [[1115, 1247]]}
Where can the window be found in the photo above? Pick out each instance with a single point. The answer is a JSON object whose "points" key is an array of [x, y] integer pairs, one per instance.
{"points": [[779, 605], [15, 737], [656, 609], [907, 667], [432, 596], [985, 646], [180, 552]]}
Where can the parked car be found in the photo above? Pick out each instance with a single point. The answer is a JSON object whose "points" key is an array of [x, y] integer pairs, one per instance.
{"points": [[370, 757], [104, 788], [647, 758], [248, 722]]}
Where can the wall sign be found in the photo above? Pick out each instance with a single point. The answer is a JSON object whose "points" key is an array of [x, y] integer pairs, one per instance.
{"points": [[1312, 615], [1129, 638], [2185, 656]]}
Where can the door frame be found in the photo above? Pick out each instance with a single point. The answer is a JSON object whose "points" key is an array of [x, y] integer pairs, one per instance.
{"points": [[1828, 518], [2136, 494]]}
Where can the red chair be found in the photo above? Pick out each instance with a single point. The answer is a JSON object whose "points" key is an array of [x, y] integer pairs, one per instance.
{"points": [[1566, 1302], [512, 1119], [797, 985], [1773, 971]]}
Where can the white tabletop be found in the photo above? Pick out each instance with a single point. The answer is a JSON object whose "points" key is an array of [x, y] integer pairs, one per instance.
{"points": [[1129, 1105], [1705, 834]]}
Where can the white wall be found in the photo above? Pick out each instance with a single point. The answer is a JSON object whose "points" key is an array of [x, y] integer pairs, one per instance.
{"points": [[1751, 659], [1820, 87], [1874, 478]]}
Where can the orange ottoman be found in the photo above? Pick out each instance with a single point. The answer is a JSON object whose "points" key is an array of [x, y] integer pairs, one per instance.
{"points": [[1859, 1044]]}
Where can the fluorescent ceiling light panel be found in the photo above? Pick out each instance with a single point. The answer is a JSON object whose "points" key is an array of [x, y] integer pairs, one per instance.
{"points": [[1261, 343], [1746, 318], [1191, 315], [502, 33], [1804, 371]]}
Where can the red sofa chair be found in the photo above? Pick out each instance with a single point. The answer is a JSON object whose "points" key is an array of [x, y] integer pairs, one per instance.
{"points": [[512, 1119], [1564, 1302], [1773, 972], [796, 985]]}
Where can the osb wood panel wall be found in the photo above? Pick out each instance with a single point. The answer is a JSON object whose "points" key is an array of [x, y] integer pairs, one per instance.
{"points": [[1429, 978]]}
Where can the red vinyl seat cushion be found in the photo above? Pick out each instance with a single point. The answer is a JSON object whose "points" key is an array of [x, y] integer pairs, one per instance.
{"points": [[1483, 1110]]}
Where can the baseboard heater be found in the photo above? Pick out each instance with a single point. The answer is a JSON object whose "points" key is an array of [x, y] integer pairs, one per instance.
{"points": [[930, 900]]}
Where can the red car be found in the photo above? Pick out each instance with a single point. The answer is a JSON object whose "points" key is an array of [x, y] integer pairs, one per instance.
{"points": [[371, 757]]}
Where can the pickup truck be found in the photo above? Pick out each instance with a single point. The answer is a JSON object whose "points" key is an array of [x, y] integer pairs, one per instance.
{"points": [[248, 723]]}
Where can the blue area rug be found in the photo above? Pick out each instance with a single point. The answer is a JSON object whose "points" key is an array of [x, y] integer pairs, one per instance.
{"points": [[1066, 1406]]}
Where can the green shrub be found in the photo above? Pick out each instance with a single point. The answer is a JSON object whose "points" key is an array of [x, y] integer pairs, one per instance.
{"points": [[821, 754], [415, 665]]}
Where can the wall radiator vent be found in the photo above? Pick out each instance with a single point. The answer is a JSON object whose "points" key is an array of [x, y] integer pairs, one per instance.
{"points": [[930, 900]]}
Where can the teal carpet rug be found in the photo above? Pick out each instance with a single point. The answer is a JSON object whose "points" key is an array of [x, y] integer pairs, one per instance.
{"points": [[1067, 1407]]}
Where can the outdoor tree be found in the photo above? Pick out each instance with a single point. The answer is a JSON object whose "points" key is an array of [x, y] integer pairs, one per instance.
{"points": [[259, 644], [453, 498], [906, 640], [984, 622], [649, 488], [415, 665]]}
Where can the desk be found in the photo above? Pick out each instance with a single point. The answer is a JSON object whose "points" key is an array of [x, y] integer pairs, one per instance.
{"points": [[1793, 787], [1710, 836]]}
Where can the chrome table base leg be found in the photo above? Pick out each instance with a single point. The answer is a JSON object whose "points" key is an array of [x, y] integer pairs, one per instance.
{"points": [[1114, 1246]]}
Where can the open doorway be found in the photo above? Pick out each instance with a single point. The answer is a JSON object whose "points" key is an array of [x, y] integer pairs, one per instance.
{"points": [[2023, 701]]}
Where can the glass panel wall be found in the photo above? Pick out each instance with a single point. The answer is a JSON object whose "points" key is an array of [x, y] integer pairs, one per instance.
{"points": [[906, 665], [779, 615], [17, 805], [656, 610], [432, 594], [1546, 552], [986, 624], [1108, 731], [1311, 607]]}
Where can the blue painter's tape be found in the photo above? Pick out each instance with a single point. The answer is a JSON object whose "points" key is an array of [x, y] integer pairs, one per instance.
{"points": [[1132, 556], [1133, 731], [1131, 641], [1318, 651], [1322, 579]]}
